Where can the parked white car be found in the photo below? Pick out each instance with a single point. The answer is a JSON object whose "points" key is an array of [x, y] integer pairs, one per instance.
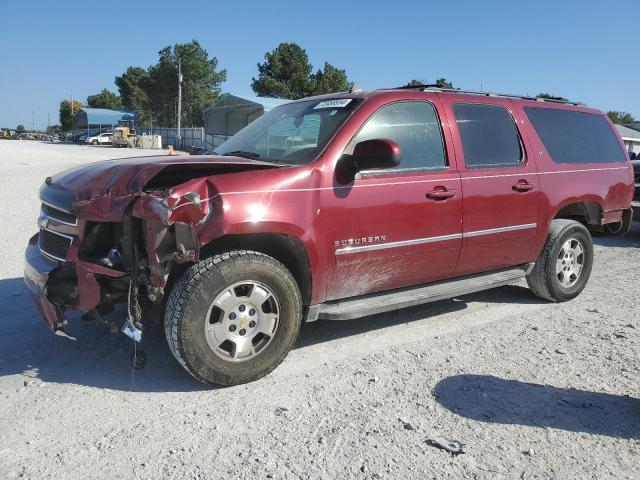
{"points": [[102, 139]]}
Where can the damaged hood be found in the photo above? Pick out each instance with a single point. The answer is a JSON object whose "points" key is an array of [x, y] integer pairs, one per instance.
{"points": [[118, 180]]}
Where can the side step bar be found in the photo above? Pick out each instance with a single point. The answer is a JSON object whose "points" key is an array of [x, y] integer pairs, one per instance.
{"points": [[373, 303]]}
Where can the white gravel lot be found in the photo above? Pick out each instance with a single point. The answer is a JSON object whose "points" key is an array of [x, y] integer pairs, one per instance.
{"points": [[533, 389]]}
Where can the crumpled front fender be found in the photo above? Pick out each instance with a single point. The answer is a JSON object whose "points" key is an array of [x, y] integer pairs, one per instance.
{"points": [[170, 223]]}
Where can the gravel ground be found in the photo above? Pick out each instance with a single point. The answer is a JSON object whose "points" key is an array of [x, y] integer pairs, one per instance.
{"points": [[533, 390]]}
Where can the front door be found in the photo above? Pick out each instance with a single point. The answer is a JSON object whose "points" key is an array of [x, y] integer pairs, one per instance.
{"points": [[401, 226], [499, 185]]}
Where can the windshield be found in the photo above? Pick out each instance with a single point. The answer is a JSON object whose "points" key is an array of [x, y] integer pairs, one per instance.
{"points": [[291, 134]]}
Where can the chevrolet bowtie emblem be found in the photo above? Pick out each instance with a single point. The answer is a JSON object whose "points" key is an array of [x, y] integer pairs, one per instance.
{"points": [[43, 221]]}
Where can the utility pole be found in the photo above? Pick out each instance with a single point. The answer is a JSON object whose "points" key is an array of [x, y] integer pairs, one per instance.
{"points": [[179, 136], [33, 120]]}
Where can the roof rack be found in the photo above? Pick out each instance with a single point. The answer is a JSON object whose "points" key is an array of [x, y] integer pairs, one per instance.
{"points": [[437, 88]]}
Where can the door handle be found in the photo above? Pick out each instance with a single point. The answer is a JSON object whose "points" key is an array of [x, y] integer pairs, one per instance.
{"points": [[523, 186], [440, 194]]}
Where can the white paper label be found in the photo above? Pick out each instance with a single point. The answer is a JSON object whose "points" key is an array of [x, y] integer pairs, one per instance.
{"points": [[337, 103]]}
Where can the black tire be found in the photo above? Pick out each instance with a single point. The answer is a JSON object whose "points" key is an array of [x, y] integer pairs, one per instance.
{"points": [[543, 279], [192, 296], [94, 142]]}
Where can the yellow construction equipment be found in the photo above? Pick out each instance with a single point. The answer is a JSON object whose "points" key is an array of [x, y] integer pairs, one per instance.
{"points": [[5, 133], [123, 137]]}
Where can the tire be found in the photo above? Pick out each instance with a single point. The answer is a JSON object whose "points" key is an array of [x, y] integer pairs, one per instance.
{"points": [[94, 142], [545, 278], [230, 279]]}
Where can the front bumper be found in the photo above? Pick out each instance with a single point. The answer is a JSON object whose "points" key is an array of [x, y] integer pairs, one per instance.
{"points": [[36, 275], [60, 286]]}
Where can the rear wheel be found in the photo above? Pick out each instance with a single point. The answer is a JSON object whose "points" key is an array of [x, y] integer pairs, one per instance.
{"points": [[233, 318], [564, 266]]}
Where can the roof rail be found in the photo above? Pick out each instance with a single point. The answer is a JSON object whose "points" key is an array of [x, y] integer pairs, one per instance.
{"points": [[437, 88]]}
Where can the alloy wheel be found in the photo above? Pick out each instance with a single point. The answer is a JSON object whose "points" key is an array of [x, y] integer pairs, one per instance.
{"points": [[241, 321], [570, 262]]}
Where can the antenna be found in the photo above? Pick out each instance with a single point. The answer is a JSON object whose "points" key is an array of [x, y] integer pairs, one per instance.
{"points": [[179, 136]]}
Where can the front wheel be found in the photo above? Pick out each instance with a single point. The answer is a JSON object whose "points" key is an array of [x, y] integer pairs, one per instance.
{"points": [[233, 318], [563, 268]]}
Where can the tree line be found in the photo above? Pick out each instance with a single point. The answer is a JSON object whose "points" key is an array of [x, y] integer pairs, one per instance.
{"points": [[152, 92], [286, 73]]}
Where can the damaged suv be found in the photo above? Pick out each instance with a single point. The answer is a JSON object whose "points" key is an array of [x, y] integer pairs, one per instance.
{"points": [[332, 207]]}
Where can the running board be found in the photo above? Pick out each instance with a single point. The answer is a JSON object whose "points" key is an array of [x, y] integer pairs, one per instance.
{"points": [[374, 303]]}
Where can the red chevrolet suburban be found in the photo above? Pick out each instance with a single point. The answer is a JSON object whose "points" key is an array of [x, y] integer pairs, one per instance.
{"points": [[332, 207]]}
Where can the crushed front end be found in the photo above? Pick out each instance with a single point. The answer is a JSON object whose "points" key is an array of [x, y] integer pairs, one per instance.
{"points": [[112, 232], [73, 263], [91, 254]]}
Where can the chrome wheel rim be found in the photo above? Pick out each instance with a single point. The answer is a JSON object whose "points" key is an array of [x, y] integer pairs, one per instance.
{"points": [[242, 321], [570, 262]]}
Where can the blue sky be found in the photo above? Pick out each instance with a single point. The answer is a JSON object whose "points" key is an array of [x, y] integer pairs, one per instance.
{"points": [[585, 50]]}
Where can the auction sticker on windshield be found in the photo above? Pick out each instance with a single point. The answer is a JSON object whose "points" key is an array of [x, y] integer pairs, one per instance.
{"points": [[337, 103]]}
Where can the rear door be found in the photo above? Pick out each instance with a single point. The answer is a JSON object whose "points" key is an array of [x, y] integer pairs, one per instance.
{"points": [[499, 184], [401, 226]]}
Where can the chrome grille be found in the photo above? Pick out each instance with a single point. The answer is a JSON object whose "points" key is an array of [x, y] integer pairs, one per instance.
{"points": [[54, 245], [58, 214]]}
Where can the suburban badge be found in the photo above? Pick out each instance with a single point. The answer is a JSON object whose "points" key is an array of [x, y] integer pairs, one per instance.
{"points": [[359, 241]]}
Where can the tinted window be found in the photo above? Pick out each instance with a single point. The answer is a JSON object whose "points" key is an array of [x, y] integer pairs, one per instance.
{"points": [[414, 127], [575, 137], [489, 136]]}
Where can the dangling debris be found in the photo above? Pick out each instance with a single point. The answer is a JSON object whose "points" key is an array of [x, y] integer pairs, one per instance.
{"points": [[454, 447]]}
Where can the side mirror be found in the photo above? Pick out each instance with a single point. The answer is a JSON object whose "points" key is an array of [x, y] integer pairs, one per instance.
{"points": [[376, 153], [368, 155]]}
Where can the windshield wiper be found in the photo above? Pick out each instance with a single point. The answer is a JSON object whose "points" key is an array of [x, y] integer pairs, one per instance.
{"points": [[242, 153]]}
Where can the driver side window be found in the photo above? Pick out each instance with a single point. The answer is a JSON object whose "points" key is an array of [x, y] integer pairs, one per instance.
{"points": [[415, 127]]}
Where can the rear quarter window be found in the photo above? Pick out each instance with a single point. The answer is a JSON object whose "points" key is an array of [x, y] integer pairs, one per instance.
{"points": [[575, 137], [488, 134]]}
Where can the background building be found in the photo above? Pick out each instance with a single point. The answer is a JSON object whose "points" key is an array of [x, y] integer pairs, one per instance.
{"points": [[630, 137], [101, 119]]}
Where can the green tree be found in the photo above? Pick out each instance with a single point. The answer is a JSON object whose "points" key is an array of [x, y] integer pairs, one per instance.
{"points": [[286, 73], [200, 86], [551, 97], [132, 86], [441, 83], [444, 83], [105, 99], [328, 80], [621, 118], [20, 128], [68, 112], [54, 129]]}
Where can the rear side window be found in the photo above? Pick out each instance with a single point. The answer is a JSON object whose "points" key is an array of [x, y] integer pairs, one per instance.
{"points": [[575, 137], [488, 134], [414, 126]]}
